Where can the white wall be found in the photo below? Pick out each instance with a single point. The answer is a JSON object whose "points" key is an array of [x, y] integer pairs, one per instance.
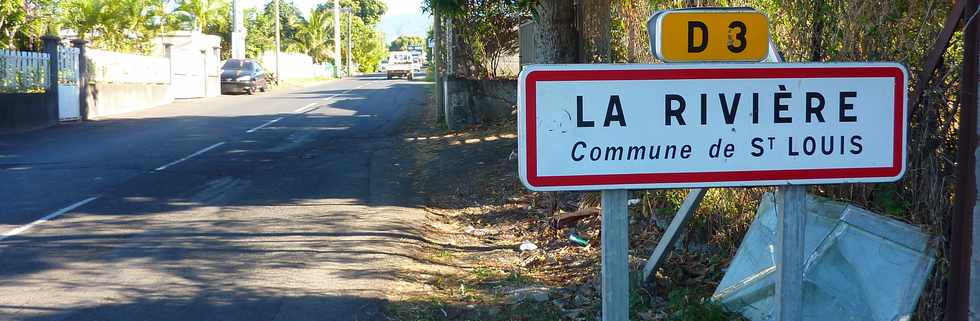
{"points": [[114, 67], [126, 82], [294, 65]]}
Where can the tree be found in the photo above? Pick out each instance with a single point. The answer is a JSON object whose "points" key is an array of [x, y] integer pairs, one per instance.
{"points": [[484, 31], [594, 36], [22, 23], [210, 17], [86, 16], [314, 37], [121, 25], [206, 13], [370, 11], [261, 32], [290, 19], [404, 42], [556, 41], [369, 45]]}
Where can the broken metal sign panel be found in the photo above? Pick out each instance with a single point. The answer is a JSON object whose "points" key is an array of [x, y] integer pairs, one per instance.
{"points": [[858, 265]]}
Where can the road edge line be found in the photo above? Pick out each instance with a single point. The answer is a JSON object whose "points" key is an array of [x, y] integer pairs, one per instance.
{"points": [[263, 125], [48, 217], [205, 150]]}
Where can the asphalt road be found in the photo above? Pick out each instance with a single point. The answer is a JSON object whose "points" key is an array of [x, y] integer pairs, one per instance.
{"points": [[280, 206]]}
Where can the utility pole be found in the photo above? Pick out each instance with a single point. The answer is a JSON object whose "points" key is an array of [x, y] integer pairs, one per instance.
{"points": [[336, 38], [437, 60], [278, 44], [350, 43], [237, 30]]}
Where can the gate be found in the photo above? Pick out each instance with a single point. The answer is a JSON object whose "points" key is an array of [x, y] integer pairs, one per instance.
{"points": [[68, 79], [190, 75]]}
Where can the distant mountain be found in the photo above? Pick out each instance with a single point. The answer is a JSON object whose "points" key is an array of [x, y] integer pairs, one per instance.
{"points": [[409, 24]]}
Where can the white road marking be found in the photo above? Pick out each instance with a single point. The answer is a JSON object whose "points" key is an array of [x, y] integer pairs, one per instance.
{"points": [[263, 125], [205, 150], [47, 218], [303, 109], [346, 91]]}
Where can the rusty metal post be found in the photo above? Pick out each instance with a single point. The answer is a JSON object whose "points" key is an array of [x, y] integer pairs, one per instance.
{"points": [[958, 295]]}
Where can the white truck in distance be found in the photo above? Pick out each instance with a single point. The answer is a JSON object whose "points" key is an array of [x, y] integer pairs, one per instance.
{"points": [[400, 65]]}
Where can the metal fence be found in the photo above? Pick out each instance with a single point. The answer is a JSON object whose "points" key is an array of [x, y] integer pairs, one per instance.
{"points": [[23, 72], [68, 66]]}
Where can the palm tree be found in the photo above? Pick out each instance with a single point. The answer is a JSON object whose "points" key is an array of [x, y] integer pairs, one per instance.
{"points": [[312, 38], [87, 17], [205, 12], [115, 24]]}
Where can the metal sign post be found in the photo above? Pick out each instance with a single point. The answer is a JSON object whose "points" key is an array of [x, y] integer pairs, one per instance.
{"points": [[790, 241], [615, 255], [790, 231]]}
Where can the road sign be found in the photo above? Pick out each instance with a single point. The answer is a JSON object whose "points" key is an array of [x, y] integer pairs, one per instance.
{"points": [[601, 127], [711, 34]]}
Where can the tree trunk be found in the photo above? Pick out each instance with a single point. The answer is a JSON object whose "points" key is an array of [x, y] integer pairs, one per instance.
{"points": [[816, 35], [595, 31], [637, 41], [556, 41]]}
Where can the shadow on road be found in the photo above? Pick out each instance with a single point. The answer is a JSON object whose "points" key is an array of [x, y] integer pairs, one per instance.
{"points": [[309, 218]]}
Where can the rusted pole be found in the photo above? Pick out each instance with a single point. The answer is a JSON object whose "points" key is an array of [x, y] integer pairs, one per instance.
{"points": [[936, 53], [958, 295]]}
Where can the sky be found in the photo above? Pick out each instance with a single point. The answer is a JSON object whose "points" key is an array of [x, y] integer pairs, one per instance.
{"points": [[404, 17]]}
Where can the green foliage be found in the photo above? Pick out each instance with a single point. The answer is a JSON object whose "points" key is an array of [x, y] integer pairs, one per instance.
{"points": [[403, 42], [261, 28], [206, 14], [120, 25], [291, 20], [530, 311], [22, 23], [369, 49], [683, 306], [261, 32], [889, 199], [315, 37], [370, 11], [487, 31], [131, 25], [459, 8], [369, 45]]}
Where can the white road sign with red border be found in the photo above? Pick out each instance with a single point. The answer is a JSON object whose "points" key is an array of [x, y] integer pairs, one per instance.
{"points": [[597, 127]]}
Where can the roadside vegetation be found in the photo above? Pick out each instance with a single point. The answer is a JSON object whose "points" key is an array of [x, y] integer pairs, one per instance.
{"points": [[131, 25], [489, 215]]}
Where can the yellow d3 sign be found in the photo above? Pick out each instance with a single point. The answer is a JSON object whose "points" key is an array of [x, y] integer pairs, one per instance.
{"points": [[709, 34]]}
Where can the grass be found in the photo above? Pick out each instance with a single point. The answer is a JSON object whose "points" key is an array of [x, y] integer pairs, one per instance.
{"points": [[491, 196], [473, 295], [683, 306]]}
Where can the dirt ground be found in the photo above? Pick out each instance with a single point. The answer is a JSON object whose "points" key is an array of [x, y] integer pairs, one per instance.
{"points": [[476, 203]]}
